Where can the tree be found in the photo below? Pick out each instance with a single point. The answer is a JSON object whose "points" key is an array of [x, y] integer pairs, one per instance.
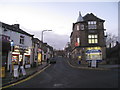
{"points": [[111, 40]]}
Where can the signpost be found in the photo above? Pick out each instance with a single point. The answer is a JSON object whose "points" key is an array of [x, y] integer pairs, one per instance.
{"points": [[93, 63]]}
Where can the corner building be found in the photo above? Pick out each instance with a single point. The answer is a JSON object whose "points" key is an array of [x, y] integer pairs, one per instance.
{"points": [[87, 39]]}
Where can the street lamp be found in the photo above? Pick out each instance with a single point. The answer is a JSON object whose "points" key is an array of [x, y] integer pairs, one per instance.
{"points": [[42, 41], [42, 34]]}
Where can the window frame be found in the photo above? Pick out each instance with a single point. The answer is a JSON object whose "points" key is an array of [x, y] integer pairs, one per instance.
{"points": [[92, 24], [92, 38], [78, 27], [22, 39], [82, 27]]}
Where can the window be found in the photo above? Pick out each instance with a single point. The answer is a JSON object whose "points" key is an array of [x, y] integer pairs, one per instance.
{"points": [[82, 27], [92, 25], [77, 27], [92, 39], [78, 40], [77, 43], [21, 39]]}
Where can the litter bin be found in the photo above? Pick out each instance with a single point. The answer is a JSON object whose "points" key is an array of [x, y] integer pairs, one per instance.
{"points": [[16, 73]]}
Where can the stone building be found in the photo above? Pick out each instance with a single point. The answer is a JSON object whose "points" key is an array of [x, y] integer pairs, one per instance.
{"points": [[87, 38]]}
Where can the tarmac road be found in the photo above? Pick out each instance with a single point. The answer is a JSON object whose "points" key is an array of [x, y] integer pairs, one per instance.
{"points": [[62, 75]]}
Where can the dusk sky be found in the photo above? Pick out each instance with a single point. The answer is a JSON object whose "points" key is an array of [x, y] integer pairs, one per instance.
{"points": [[35, 16]]}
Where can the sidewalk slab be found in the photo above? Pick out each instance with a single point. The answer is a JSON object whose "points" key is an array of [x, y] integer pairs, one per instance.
{"points": [[30, 71], [85, 66]]}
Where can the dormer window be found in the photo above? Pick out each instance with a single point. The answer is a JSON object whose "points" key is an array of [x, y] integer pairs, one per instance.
{"points": [[92, 25]]}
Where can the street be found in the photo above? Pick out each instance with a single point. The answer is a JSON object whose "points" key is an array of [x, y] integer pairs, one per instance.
{"points": [[62, 75]]}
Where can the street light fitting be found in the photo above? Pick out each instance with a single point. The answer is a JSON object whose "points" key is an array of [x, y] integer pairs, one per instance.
{"points": [[49, 30], [42, 34], [46, 30]]}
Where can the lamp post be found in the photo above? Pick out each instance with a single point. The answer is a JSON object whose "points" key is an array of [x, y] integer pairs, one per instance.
{"points": [[42, 45], [42, 34]]}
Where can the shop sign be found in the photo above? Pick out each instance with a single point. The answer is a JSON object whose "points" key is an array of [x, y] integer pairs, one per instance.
{"points": [[93, 55], [93, 51]]}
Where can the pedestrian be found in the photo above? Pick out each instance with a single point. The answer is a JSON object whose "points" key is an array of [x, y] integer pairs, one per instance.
{"points": [[20, 64], [79, 62], [47, 60]]}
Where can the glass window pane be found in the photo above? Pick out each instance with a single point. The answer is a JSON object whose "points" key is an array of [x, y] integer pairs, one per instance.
{"points": [[92, 36], [77, 27], [96, 36], [92, 41], [92, 22], [88, 22], [82, 27], [95, 26], [96, 40], [89, 36], [89, 41]]}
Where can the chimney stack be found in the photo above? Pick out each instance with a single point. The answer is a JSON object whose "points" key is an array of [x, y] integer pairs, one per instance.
{"points": [[16, 26]]}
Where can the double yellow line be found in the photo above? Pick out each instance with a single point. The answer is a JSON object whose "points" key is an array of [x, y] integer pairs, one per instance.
{"points": [[28, 78]]}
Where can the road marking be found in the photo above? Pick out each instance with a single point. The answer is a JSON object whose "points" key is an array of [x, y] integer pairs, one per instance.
{"points": [[57, 85], [28, 78]]}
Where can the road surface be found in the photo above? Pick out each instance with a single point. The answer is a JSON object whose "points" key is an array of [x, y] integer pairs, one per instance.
{"points": [[62, 75]]}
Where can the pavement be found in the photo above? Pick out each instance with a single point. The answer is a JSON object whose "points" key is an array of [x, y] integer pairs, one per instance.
{"points": [[75, 64], [9, 79]]}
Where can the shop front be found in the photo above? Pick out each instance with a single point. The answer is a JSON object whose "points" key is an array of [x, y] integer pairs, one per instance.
{"points": [[94, 53], [27, 58], [15, 55], [39, 56], [20, 54], [5, 50]]}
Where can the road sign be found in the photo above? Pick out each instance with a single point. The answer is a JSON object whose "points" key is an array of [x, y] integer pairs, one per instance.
{"points": [[93, 63]]}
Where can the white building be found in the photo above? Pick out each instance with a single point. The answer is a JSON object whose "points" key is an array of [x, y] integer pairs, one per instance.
{"points": [[21, 43]]}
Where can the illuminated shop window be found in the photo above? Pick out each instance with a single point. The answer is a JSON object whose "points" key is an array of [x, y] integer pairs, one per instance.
{"points": [[92, 39]]}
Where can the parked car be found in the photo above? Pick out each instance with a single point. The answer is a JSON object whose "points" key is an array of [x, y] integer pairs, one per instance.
{"points": [[52, 60]]}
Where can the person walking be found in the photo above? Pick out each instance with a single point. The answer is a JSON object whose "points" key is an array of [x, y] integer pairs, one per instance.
{"points": [[47, 60]]}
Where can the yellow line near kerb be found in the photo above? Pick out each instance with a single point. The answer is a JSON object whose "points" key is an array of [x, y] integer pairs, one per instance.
{"points": [[28, 78]]}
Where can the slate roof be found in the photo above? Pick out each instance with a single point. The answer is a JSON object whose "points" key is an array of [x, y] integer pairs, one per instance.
{"points": [[13, 28], [91, 16]]}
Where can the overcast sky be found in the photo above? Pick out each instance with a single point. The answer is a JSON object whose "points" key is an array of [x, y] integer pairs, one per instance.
{"points": [[35, 16]]}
